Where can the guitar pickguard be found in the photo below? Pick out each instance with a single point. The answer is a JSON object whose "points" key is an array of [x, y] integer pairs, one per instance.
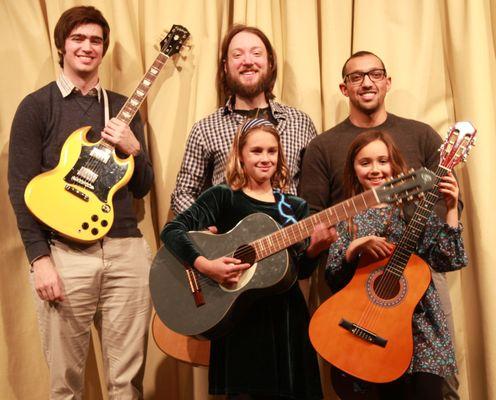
{"points": [[97, 175]]}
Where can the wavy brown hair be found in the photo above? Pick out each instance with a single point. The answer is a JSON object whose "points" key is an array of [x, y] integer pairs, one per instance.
{"points": [[235, 173], [398, 165], [71, 19]]}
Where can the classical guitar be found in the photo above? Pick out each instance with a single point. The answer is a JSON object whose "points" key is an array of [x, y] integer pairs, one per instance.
{"points": [[365, 329], [192, 304], [75, 198]]}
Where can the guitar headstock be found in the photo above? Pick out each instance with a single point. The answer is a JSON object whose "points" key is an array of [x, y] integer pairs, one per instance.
{"points": [[459, 141], [406, 186], [174, 41]]}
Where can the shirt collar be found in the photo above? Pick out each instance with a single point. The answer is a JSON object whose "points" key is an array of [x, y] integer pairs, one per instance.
{"points": [[66, 87], [275, 108]]}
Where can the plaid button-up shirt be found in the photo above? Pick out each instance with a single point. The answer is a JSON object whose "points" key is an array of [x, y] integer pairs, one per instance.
{"points": [[209, 144]]}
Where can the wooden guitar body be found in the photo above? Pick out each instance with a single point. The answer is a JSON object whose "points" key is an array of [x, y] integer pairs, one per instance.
{"points": [[74, 200], [369, 334], [183, 348], [365, 329]]}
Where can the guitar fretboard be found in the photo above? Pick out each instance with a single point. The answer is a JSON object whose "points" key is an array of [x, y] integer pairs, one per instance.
{"points": [[409, 240], [134, 102], [295, 233]]}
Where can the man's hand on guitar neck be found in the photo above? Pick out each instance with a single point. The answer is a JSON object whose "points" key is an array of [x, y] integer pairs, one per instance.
{"points": [[47, 280], [118, 133], [322, 237]]}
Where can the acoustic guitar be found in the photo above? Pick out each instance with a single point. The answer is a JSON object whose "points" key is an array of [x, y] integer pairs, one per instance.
{"points": [[365, 329], [75, 198], [183, 348], [192, 304]]}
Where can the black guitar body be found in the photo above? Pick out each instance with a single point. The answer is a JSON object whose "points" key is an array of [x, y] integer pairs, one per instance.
{"points": [[173, 299]]}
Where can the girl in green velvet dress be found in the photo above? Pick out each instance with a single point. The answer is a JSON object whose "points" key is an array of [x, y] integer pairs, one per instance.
{"points": [[267, 354]]}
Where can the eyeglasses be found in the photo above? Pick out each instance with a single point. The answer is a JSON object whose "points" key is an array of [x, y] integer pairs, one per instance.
{"points": [[375, 75]]}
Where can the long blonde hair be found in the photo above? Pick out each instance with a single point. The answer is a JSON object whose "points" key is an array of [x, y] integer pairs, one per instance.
{"points": [[235, 174]]}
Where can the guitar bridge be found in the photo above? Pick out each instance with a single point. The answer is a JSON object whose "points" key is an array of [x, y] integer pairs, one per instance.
{"points": [[77, 193], [363, 333], [194, 287]]}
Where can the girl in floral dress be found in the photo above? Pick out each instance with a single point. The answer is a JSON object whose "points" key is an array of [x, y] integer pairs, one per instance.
{"points": [[373, 158]]}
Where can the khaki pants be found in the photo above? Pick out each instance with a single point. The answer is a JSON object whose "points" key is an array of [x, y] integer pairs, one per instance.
{"points": [[105, 283]]}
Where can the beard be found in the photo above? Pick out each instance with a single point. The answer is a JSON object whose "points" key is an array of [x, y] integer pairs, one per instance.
{"points": [[248, 91]]}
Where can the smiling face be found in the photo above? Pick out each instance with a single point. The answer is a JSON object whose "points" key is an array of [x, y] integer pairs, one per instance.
{"points": [[368, 96], [247, 65], [372, 165], [259, 157], [83, 51]]}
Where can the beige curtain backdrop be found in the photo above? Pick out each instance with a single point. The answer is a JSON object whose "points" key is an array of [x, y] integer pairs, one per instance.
{"points": [[439, 53]]}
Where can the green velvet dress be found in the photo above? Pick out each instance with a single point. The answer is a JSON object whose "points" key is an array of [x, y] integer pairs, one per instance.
{"points": [[268, 351]]}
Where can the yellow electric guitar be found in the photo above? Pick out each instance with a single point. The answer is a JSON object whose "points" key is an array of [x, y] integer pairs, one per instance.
{"points": [[75, 198]]}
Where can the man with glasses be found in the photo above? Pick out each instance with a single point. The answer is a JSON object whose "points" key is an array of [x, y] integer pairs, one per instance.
{"points": [[366, 83]]}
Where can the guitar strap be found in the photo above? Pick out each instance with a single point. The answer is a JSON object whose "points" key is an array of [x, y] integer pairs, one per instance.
{"points": [[285, 211], [106, 107]]}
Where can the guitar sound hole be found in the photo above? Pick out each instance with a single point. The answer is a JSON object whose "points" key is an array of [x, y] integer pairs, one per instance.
{"points": [[246, 254], [386, 286]]}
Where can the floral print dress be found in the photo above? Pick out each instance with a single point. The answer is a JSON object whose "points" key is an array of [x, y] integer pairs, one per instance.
{"points": [[441, 246]]}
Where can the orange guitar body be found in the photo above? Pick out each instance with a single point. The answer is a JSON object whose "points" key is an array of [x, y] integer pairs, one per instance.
{"points": [[379, 347], [183, 348]]}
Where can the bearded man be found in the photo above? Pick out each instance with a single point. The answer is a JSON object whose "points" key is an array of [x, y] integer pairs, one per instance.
{"points": [[246, 75]]}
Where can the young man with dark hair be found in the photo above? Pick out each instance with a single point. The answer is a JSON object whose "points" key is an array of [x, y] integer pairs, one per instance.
{"points": [[366, 83], [77, 284]]}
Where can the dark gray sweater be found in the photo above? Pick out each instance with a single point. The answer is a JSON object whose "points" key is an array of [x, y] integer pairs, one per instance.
{"points": [[42, 123], [321, 183]]}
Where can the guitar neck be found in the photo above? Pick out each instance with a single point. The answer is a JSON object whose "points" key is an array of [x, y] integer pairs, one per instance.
{"points": [[133, 103], [409, 240], [295, 233]]}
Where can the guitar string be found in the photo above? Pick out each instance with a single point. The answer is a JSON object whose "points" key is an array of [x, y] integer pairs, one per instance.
{"points": [[94, 164], [278, 236], [283, 236], [389, 280]]}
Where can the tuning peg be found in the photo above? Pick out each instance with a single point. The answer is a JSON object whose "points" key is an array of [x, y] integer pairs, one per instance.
{"points": [[421, 195], [161, 37], [186, 48], [410, 198]]}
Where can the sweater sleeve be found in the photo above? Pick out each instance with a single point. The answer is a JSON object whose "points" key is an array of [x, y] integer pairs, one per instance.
{"points": [[25, 158], [314, 185], [305, 265], [204, 212]]}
